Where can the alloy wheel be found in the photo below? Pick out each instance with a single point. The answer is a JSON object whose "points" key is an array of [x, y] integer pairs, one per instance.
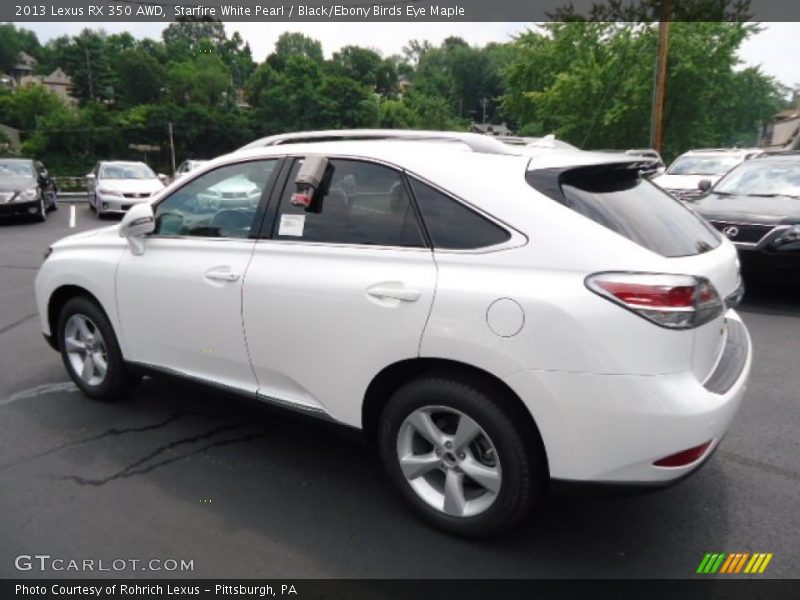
{"points": [[85, 349], [449, 461]]}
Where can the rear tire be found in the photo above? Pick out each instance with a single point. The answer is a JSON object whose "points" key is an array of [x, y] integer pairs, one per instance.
{"points": [[91, 353], [478, 477]]}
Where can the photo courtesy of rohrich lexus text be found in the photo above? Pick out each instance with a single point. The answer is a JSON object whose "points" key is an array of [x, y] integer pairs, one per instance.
{"points": [[399, 300]]}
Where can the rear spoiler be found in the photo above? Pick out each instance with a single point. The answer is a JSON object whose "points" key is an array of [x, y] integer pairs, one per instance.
{"points": [[548, 181]]}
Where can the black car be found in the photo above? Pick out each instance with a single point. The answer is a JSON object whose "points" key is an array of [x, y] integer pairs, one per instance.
{"points": [[26, 188], [757, 206]]}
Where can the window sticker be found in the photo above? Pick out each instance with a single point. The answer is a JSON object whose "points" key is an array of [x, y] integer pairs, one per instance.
{"points": [[292, 225]]}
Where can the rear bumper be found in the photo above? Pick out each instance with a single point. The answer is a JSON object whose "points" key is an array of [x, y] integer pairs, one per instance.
{"points": [[610, 429]]}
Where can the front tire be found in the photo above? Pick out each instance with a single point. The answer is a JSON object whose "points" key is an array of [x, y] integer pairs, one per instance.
{"points": [[457, 456], [91, 353], [41, 215]]}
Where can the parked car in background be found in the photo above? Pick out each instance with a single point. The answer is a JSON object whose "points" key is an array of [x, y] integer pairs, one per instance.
{"points": [[692, 173], [491, 322], [187, 166], [26, 188], [114, 186], [757, 206]]}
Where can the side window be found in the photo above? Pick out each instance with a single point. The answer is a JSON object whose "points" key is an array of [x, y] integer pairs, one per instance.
{"points": [[221, 203], [452, 225], [361, 203]]}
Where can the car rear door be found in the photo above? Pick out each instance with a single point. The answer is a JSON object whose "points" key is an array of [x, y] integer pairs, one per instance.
{"points": [[333, 297], [180, 302]]}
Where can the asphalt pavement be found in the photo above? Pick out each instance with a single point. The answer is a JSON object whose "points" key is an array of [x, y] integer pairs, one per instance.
{"points": [[180, 473]]}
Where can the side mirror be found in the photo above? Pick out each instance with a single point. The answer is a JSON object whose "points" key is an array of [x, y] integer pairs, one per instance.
{"points": [[704, 185], [137, 222]]}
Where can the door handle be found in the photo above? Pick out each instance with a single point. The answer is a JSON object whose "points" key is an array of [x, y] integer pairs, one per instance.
{"points": [[219, 275], [384, 292]]}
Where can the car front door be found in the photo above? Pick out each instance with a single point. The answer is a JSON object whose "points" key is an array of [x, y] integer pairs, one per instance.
{"points": [[333, 296], [180, 302]]}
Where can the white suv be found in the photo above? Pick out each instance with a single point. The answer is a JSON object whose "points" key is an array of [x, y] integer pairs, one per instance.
{"points": [[490, 320]]}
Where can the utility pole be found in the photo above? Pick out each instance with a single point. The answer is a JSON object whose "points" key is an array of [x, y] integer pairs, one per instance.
{"points": [[483, 104], [659, 92], [171, 145], [89, 72]]}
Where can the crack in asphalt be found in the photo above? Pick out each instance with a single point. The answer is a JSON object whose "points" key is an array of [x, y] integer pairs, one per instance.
{"points": [[16, 323], [113, 432], [136, 467], [40, 390], [761, 466]]}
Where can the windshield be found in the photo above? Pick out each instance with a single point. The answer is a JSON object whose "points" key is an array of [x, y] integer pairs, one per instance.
{"points": [[703, 165], [762, 178], [127, 171], [16, 168]]}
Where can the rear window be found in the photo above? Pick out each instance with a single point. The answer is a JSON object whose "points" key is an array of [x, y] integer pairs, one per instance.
{"points": [[630, 206]]}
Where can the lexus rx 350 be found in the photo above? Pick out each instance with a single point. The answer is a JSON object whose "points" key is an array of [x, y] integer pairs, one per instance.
{"points": [[491, 319]]}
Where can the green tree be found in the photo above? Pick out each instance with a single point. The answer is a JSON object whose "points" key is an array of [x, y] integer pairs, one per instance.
{"points": [[294, 44], [85, 59], [140, 78], [30, 103], [9, 46], [203, 80], [182, 39], [591, 84]]}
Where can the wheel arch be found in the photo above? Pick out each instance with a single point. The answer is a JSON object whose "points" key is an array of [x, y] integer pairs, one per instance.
{"points": [[392, 377], [60, 296]]}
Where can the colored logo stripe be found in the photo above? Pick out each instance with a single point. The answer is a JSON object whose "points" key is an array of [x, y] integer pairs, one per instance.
{"points": [[734, 563]]}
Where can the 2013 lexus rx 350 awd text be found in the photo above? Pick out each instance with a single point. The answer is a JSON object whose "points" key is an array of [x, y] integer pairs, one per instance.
{"points": [[492, 317]]}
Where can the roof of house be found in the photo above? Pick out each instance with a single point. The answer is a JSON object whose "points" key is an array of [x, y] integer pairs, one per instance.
{"points": [[57, 77]]}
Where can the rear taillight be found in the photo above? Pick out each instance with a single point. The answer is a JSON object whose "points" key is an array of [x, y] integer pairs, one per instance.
{"points": [[672, 301]]}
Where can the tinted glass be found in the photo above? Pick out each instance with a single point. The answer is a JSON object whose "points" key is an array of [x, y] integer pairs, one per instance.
{"points": [[762, 178], [221, 203], [640, 211], [452, 225], [361, 203]]}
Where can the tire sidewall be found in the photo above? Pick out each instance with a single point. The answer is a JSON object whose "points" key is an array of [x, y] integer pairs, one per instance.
{"points": [[111, 387], [520, 485]]}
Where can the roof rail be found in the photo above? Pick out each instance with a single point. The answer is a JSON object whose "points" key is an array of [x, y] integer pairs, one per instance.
{"points": [[474, 141]]}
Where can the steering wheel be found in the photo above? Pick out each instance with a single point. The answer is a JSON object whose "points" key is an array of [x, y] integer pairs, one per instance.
{"points": [[230, 220]]}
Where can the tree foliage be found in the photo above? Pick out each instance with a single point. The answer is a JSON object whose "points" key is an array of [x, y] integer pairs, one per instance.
{"points": [[591, 83], [587, 78]]}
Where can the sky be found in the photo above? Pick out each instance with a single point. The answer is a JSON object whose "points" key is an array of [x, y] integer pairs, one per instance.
{"points": [[775, 49]]}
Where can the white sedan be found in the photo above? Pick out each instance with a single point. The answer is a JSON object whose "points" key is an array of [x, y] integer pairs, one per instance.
{"points": [[114, 186]]}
